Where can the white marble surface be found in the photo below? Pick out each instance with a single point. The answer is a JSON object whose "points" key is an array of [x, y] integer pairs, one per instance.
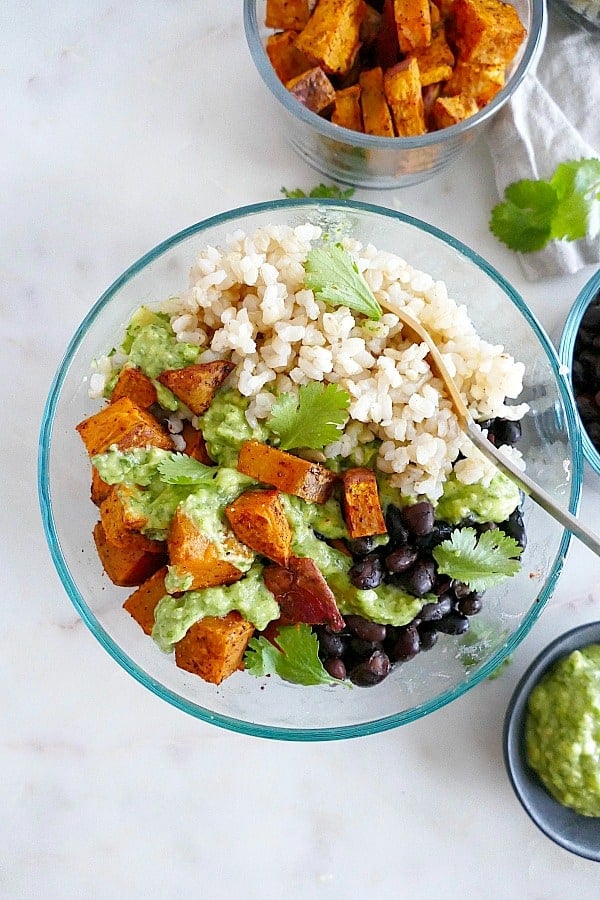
{"points": [[122, 123]]}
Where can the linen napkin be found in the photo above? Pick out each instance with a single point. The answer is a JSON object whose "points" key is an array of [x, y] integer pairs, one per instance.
{"points": [[553, 117]]}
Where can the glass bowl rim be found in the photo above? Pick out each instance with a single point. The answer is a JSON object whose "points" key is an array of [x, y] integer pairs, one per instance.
{"points": [[533, 45], [227, 722], [566, 349]]}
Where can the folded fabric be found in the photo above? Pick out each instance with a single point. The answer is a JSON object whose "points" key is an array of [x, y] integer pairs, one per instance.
{"points": [[553, 117]]}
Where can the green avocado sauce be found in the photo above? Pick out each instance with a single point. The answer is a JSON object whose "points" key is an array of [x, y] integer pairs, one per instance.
{"points": [[224, 427], [562, 730], [493, 503]]}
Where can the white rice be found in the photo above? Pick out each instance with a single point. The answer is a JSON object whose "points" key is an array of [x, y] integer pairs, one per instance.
{"points": [[247, 302]]}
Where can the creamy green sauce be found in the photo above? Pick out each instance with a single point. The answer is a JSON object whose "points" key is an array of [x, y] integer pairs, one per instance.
{"points": [[493, 503], [562, 731], [224, 427]]}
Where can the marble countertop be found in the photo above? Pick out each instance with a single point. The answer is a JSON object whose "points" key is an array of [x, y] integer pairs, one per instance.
{"points": [[121, 124]]}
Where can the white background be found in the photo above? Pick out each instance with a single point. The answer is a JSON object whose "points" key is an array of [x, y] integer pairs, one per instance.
{"points": [[121, 123]]}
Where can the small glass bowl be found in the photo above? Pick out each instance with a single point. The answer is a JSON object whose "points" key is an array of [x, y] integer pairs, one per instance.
{"points": [[566, 352], [371, 161], [270, 707]]}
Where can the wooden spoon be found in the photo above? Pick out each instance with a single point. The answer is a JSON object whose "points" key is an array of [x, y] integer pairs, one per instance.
{"points": [[420, 335]]}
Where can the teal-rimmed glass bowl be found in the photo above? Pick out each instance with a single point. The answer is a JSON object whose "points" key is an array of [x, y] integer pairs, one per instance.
{"points": [[269, 707]]}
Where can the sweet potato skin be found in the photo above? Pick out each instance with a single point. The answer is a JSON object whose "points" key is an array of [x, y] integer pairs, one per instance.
{"points": [[288, 473], [141, 604], [258, 520], [360, 500], [196, 385], [314, 90], [124, 424], [124, 565], [192, 553], [213, 648], [303, 594]]}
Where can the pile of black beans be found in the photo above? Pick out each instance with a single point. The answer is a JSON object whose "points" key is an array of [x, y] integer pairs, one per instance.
{"points": [[586, 371], [366, 652]]}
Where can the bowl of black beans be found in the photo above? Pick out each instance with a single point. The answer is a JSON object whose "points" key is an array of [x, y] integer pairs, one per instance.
{"points": [[580, 353]]}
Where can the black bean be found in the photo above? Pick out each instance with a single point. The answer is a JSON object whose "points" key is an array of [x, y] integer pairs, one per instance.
{"points": [[420, 579], [419, 517], [441, 531], [371, 671], [359, 649], [363, 628], [395, 525], [461, 589], [407, 644], [470, 606], [360, 546], [433, 612], [442, 584], [428, 636], [515, 528], [400, 560], [331, 644], [453, 623], [335, 667], [367, 573], [506, 431]]}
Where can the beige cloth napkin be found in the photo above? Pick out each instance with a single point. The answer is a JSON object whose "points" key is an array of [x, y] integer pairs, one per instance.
{"points": [[553, 117]]}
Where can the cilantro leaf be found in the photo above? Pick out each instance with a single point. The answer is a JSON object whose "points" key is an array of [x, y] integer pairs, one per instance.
{"points": [[313, 418], [295, 659], [479, 562], [566, 207], [179, 468], [333, 276], [321, 190]]}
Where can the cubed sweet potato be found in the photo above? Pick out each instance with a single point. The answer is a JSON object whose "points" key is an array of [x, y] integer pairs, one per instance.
{"points": [[447, 111], [286, 59], [413, 24], [124, 424], [142, 603], [124, 565], [360, 501], [486, 31], [258, 519], [331, 38], [347, 112], [290, 474], [192, 553], [404, 95], [474, 80], [136, 385], [122, 524], [196, 385], [99, 489], [195, 445], [314, 90], [435, 61], [214, 648], [375, 110], [284, 14], [303, 594]]}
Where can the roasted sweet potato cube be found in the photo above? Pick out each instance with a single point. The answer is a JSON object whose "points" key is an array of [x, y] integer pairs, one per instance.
{"points": [[413, 24], [314, 90], [195, 445], [124, 424], [286, 59], [375, 111], [192, 553], [447, 111], [214, 648], [303, 594], [435, 61], [142, 603], [122, 524], [126, 566], [347, 112], [284, 14], [290, 474], [133, 383], [331, 38], [404, 95], [486, 31], [258, 519], [196, 385], [99, 490], [474, 80], [360, 501]]}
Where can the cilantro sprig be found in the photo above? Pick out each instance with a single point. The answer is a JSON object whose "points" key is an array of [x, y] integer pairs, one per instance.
{"points": [[295, 659], [313, 418], [535, 212], [333, 276], [331, 191], [481, 562]]}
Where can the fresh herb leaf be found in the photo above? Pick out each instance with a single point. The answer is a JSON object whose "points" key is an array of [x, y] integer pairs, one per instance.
{"points": [[295, 659], [313, 418], [321, 190], [479, 562], [333, 276], [179, 468], [566, 207]]}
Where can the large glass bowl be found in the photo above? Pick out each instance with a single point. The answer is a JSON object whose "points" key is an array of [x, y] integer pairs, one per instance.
{"points": [[370, 161], [270, 707]]}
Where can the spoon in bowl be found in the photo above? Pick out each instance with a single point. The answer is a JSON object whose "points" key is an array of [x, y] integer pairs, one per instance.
{"points": [[468, 425]]}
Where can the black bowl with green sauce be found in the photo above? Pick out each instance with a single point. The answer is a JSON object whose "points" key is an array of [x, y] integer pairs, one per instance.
{"points": [[577, 833]]}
